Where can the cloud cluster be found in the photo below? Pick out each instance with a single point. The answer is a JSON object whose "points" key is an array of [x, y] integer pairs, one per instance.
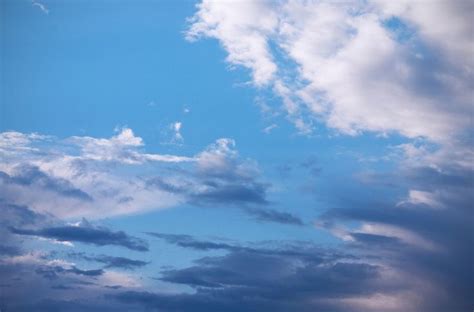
{"points": [[92, 177], [298, 277], [31, 279], [356, 65]]}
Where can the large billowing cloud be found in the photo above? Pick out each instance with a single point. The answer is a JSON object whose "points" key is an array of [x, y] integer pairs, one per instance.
{"points": [[356, 65]]}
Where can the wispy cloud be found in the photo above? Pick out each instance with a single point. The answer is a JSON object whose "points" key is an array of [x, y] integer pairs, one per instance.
{"points": [[86, 233], [41, 6]]}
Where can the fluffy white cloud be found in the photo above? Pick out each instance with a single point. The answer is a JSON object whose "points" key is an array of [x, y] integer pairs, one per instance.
{"points": [[242, 30], [357, 66]]}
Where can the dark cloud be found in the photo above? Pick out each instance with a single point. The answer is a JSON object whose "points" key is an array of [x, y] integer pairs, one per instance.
{"points": [[312, 164], [15, 215], [270, 215], [303, 250], [18, 215], [229, 189], [188, 241], [74, 305], [258, 281], [219, 193], [52, 272], [86, 233], [27, 175], [445, 255], [110, 261], [7, 250]]}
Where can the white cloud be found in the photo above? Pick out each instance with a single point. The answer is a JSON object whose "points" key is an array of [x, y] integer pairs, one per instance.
{"points": [[270, 128], [176, 128], [402, 234], [417, 197], [123, 148], [242, 29], [41, 6], [341, 62]]}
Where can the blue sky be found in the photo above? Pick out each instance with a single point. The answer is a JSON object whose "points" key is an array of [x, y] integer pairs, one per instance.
{"points": [[236, 156]]}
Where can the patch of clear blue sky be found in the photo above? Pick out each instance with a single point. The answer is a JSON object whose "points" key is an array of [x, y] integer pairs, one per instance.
{"points": [[90, 66]]}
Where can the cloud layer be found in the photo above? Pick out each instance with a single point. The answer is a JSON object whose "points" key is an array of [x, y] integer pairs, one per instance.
{"points": [[91, 177]]}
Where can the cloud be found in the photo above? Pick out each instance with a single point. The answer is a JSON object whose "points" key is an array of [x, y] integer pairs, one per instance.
{"points": [[429, 234], [176, 127], [110, 261], [87, 177], [314, 56], [121, 148], [51, 272], [41, 6], [33, 177], [38, 281], [88, 234], [188, 241], [222, 177], [269, 128], [227, 178], [258, 281], [309, 252], [270, 215], [80, 175], [244, 41]]}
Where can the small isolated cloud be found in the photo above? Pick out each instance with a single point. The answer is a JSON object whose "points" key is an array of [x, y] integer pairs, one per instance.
{"points": [[41, 6], [176, 128], [270, 128], [270, 215]]}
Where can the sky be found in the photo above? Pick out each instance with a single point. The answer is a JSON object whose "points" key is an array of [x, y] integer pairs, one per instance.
{"points": [[236, 155]]}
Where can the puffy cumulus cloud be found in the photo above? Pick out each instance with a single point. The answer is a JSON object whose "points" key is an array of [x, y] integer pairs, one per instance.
{"points": [[92, 177], [226, 177], [242, 30], [426, 16], [356, 65]]}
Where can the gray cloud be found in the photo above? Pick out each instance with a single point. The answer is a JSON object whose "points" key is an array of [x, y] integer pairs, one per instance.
{"points": [[27, 175], [111, 261], [88, 234]]}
